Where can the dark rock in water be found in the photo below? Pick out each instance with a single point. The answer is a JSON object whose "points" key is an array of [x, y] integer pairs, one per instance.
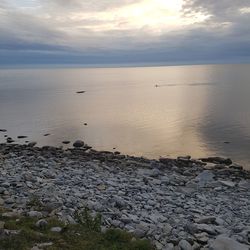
{"points": [[32, 144], [80, 92], [181, 158], [22, 136], [9, 140], [5, 135], [117, 153], [78, 144], [85, 124], [236, 166], [226, 142], [46, 134], [3, 130], [217, 160], [66, 142]]}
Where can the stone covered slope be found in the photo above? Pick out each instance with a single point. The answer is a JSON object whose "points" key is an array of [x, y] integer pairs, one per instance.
{"points": [[181, 203]]}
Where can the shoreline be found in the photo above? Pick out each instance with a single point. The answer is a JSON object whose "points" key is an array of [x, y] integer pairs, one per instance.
{"points": [[172, 202]]}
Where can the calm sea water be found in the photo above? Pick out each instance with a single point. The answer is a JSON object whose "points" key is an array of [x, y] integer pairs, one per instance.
{"points": [[193, 110]]}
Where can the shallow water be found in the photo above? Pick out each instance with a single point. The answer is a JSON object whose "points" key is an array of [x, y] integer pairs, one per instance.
{"points": [[149, 111]]}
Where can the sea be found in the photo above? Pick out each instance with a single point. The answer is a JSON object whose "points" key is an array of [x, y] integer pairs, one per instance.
{"points": [[160, 111]]}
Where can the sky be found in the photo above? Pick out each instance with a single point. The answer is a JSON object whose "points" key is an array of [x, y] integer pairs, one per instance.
{"points": [[124, 31]]}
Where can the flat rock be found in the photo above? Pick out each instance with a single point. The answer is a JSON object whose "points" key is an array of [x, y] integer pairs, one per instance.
{"points": [[56, 229], [35, 214], [204, 177], [205, 220], [228, 183], [226, 243]]}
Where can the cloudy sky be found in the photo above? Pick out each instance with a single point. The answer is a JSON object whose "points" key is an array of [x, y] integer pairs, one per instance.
{"points": [[124, 31]]}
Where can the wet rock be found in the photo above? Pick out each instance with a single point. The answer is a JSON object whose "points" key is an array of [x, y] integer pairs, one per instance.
{"points": [[3, 130], [32, 144], [78, 144], [217, 160], [66, 142], [22, 136]]}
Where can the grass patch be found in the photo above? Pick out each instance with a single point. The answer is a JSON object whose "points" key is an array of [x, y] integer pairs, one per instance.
{"points": [[85, 235]]}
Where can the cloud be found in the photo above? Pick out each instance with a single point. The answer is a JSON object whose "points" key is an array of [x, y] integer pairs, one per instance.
{"points": [[127, 30]]}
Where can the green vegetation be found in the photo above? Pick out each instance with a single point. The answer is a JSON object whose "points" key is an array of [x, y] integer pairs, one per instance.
{"points": [[85, 235]]}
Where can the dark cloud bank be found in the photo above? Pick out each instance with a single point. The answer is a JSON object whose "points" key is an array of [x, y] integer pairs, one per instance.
{"points": [[28, 38]]}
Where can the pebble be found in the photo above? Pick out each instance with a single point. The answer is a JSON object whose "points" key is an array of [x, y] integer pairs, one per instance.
{"points": [[176, 203], [35, 214], [41, 223], [56, 229]]}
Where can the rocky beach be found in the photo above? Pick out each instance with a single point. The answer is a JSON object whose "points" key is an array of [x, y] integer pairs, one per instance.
{"points": [[181, 203]]}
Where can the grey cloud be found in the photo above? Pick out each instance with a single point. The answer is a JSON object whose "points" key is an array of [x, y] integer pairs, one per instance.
{"points": [[88, 5], [31, 38], [225, 10]]}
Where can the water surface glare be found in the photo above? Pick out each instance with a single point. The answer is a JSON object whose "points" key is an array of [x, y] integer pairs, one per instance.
{"points": [[149, 111]]}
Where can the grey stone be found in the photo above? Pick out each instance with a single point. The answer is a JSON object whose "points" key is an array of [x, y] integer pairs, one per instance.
{"points": [[10, 201], [169, 246], [206, 220], [41, 223], [33, 214], [10, 214], [184, 245], [155, 173], [225, 243], [56, 229], [228, 183], [204, 177], [5, 184]]}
